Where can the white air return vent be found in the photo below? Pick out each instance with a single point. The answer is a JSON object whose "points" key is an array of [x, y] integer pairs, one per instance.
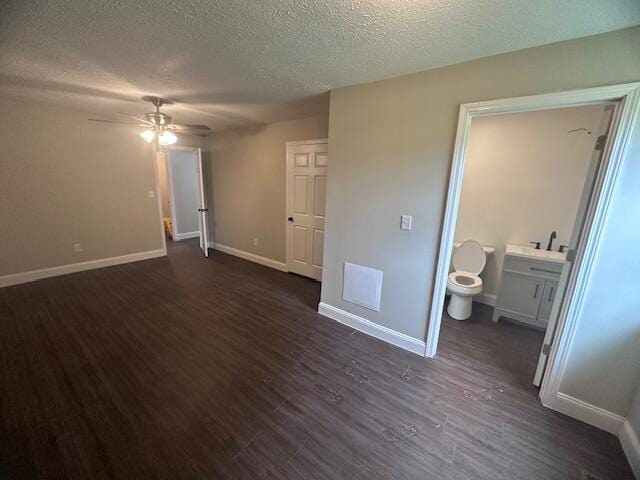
{"points": [[362, 286]]}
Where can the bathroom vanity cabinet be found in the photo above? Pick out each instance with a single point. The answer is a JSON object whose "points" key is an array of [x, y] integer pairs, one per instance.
{"points": [[528, 287]]}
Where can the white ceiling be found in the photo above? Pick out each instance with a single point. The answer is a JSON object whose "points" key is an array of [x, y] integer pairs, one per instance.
{"points": [[237, 62]]}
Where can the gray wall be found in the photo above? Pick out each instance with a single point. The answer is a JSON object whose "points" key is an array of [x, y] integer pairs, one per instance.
{"points": [[182, 170], [247, 183], [391, 146], [65, 180]]}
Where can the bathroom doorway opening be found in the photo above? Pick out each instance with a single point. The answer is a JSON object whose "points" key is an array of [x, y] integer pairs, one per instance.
{"points": [[549, 297]]}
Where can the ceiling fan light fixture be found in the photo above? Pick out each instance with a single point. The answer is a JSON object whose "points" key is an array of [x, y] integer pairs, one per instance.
{"points": [[148, 135], [167, 138]]}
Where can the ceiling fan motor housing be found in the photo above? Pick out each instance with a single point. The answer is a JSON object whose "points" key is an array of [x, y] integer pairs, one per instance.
{"points": [[158, 118]]}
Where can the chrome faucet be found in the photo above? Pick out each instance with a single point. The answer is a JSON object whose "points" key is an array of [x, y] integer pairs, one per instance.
{"points": [[552, 237]]}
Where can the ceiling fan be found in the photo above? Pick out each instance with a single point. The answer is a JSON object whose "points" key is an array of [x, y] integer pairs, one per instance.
{"points": [[159, 125]]}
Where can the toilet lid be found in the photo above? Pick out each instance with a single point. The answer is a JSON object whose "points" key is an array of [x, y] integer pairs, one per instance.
{"points": [[469, 257]]}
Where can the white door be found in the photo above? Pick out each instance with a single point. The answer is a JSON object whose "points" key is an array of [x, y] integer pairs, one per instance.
{"points": [[576, 235], [203, 211], [306, 191]]}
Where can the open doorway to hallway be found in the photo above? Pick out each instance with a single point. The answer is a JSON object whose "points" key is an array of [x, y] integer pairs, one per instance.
{"points": [[184, 207]]}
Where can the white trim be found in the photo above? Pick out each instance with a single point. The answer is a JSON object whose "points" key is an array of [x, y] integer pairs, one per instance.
{"points": [[315, 141], [156, 178], [586, 412], [183, 236], [30, 276], [629, 92], [252, 257], [378, 331], [203, 209], [486, 298], [179, 147], [631, 446], [570, 311]]}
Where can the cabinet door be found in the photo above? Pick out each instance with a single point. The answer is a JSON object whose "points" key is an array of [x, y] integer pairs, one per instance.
{"points": [[548, 295], [521, 294]]}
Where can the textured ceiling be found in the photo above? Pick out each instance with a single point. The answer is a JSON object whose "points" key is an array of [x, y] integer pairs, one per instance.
{"points": [[237, 62]]}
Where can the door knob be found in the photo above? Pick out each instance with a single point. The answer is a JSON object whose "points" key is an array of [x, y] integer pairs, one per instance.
{"points": [[290, 219]]}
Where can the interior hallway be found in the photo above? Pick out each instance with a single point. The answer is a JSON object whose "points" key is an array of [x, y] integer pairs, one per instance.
{"points": [[185, 367]]}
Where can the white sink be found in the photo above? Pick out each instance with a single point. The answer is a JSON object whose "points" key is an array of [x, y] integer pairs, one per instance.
{"points": [[529, 252]]}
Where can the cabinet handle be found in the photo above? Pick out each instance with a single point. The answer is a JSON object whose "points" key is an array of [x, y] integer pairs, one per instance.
{"points": [[536, 269], [535, 295], [550, 294]]}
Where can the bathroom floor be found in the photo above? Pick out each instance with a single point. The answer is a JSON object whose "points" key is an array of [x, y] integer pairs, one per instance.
{"points": [[504, 351], [184, 368]]}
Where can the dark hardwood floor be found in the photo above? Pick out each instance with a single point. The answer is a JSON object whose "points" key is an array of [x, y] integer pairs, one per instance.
{"points": [[185, 367]]}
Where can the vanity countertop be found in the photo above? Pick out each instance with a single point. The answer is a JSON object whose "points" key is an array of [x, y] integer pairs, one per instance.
{"points": [[529, 252]]}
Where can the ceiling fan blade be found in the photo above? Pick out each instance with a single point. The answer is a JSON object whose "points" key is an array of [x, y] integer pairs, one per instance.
{"points": [[179, 126], [117, 123], [140, 119], [197, 134]]}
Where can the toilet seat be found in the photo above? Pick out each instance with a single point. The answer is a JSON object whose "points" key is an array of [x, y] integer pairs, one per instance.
{"points": [[469, 257], [456, 284], [465, 279]]}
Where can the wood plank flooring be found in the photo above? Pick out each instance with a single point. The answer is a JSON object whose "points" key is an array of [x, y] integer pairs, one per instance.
{"points": [[186, 368]]}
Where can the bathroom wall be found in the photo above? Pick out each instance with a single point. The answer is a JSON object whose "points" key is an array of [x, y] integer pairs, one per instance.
{"points": [[523, 178]]}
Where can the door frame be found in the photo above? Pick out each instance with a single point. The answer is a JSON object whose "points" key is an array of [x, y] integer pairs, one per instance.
{"points": [[617, 152], [164, 150], [158, 194], [289, 188]]}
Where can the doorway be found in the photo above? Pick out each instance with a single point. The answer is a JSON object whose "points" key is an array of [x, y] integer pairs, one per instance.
{"points": [[610, 151], [183, 202], [306, 187], [526, 187]]}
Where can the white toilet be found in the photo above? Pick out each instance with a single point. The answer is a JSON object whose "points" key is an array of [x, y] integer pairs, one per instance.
{"points": [[469, 260]]}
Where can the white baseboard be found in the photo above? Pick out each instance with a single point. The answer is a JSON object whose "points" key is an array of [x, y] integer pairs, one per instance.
{"points": [[378, 331], [631, 446], [252, 257], [486, 298], [30, 276], [585, 412], [183, 236]]}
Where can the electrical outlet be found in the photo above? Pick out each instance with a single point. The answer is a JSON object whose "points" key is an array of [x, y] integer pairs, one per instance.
{"points": [[151, 194], [77, 247], [255, 241]]}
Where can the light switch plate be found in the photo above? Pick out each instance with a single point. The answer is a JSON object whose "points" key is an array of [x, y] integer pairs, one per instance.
{"points": [[405, 222], [151, 194]]}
